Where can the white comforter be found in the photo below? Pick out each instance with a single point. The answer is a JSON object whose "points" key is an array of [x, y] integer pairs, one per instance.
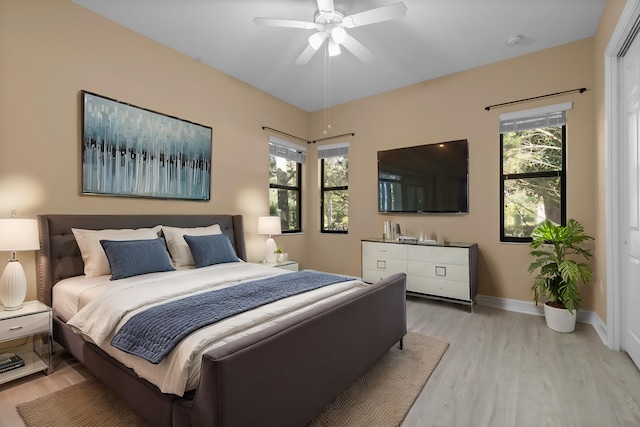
{"points": [[101, 318]]}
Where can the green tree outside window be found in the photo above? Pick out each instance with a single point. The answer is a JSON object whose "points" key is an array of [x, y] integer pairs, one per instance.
{"points": [[533, 180]]}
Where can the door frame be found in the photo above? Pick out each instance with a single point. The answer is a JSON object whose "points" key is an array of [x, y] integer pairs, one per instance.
{"points": [[615, 231]]}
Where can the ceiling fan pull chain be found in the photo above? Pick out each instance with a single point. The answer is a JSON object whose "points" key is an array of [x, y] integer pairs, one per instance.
{"points": [[329, 95], [325, 87]]}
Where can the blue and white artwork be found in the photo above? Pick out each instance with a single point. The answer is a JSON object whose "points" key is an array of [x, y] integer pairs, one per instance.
{"points": [[131, 151]]}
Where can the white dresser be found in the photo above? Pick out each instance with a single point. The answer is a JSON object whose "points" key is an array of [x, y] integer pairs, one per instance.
{"points": [[447, 271]]}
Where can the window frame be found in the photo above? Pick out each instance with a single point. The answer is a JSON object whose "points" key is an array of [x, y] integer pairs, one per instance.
{"points": [[323, 190], [562, 174], [297, 188]]}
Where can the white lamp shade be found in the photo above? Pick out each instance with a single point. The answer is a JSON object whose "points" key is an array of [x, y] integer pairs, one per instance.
{"points": [[19, 235], [269, 225]]}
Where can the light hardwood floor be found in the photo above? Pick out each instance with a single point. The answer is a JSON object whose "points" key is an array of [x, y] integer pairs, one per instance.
{"points": [[67, 371], [509, 369], [502, 369]]}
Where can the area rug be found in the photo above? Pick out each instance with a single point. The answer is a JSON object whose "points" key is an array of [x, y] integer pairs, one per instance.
{"points": [[88, 403], [381, 397]]}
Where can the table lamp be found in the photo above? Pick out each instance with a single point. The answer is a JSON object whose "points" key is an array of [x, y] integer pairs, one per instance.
{"points": [[269, 225], [16, 235]]}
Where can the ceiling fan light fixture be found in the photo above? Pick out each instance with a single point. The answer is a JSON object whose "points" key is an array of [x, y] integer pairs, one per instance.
{"points": [[316, 40], [338, 34], [334, 48], [333, 26]]}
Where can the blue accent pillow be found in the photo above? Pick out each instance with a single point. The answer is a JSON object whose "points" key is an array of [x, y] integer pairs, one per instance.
{"points": [[211, 249], [134, 257]]}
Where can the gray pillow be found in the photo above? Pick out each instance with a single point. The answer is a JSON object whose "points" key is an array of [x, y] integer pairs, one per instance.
{"points": [[134, 257], [211, 249]]}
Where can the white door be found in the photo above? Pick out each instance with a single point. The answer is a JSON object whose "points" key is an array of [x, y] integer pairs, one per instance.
{"points": [[631, 105]]}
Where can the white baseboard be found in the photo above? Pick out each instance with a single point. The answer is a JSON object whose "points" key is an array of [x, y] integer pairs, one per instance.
{"points": [[528, 307]]}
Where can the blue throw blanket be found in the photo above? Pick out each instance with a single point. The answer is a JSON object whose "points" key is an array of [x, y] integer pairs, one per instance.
{"points": [[153, 333]]}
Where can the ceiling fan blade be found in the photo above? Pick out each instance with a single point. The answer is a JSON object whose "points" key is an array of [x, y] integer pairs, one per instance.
{"points": [[373, 16], [287, 23], [325, 6], [358, 50], [306, 55]]}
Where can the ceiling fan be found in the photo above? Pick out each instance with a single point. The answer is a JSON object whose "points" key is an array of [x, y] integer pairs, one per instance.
{"points": [[331, 27]]}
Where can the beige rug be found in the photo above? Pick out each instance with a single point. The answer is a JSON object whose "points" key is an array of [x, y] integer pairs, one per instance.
{"points": [[382, 397], [88, 403]]}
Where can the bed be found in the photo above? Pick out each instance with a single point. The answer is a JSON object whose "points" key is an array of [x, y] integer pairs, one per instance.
{"points": [[282, 373]]}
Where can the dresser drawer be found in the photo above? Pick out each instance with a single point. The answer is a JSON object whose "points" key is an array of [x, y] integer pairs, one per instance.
{"points": [[439, 287], [381, 264], [22, 326], [382, 267], [445, 255], [439, 271], [372, 276], [439, 254], [384, 250]]}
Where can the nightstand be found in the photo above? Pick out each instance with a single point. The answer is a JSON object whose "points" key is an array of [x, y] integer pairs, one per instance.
{"points": [[286, 265], [31, 329]]}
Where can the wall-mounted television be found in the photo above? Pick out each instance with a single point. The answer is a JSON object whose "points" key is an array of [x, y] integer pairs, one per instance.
{"points": [[431, 178]]}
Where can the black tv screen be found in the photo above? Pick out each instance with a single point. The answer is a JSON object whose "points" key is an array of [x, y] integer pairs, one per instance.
{"points": [[431, 178]]}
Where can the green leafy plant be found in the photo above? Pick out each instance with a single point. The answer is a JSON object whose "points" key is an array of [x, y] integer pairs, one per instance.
{"points": [[554, 248], [278, 251]]}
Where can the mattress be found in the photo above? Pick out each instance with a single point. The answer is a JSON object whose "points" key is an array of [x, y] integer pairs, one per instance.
{"points": [[71, 294], [97, 307]]}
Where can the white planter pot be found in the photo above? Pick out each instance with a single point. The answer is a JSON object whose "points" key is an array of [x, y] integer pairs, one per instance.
{"points": [[559, 319]]}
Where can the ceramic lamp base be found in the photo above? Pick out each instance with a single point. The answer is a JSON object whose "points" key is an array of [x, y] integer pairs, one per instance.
{"points": [[13, 286], [270, 250]]}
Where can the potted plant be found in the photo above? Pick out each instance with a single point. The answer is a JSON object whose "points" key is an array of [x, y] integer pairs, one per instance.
{"points": [[280, 256], [555, 250]]}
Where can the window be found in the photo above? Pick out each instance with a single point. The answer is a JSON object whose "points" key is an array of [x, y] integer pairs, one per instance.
{"points": [[532, 170], [334, 188], [285, 183]]}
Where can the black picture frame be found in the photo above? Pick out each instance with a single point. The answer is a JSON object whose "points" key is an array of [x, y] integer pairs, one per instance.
{"points": [[131, 151]]}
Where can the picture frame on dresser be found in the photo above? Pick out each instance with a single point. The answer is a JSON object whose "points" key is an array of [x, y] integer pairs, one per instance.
{"points": [[131, 151]]}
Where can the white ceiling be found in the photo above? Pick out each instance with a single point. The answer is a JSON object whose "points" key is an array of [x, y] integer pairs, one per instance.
{"points": [[435, 38]]}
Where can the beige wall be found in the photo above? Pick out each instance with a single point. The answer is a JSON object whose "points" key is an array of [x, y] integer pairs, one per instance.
{"points": [[605, 29], [52, 49], [451, 108]]}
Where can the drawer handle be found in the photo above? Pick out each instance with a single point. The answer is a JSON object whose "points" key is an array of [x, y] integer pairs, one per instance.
{"points": [[441, 271], [15, 328], [381, 264]]}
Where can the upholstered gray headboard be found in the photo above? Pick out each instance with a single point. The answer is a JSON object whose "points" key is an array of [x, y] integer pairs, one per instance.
{"points": [[59, 256]]}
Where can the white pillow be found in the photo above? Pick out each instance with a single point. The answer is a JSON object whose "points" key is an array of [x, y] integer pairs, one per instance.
{"points": [[178, 248], [95, 260]]}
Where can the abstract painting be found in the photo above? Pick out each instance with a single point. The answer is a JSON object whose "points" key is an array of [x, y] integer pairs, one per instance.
{"points": [[135, 152]]}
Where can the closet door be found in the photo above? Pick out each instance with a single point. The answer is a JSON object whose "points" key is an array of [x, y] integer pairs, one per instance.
{"points": [[631, 105]]}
